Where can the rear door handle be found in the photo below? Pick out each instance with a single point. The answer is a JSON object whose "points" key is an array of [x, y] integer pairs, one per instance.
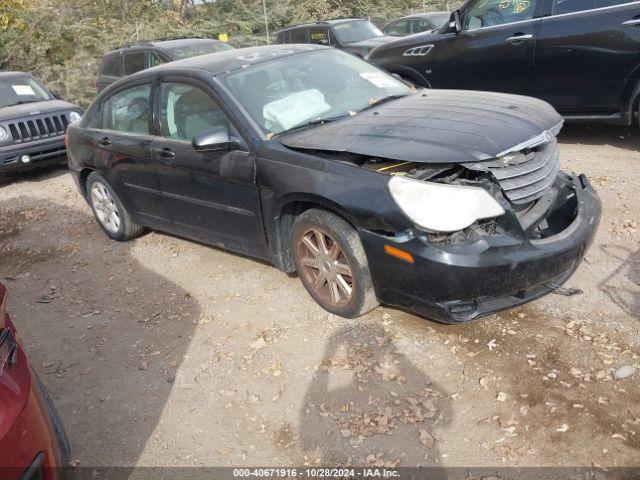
{"points": [[518, 38], [635, 23], [104, 142], [165, 155]]}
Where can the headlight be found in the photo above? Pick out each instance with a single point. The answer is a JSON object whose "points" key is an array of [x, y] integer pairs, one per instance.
{"points": [[4, 135], [442, 208], [74, 117]]}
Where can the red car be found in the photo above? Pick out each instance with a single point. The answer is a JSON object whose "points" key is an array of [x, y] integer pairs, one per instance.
{"points": [[33, 443]]}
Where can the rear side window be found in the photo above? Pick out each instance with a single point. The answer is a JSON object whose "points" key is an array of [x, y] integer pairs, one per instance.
{"points": [[561, 7], [299, 36], [400, 28], [128, 110], [134, 62], [284, 37], [112, 66]]}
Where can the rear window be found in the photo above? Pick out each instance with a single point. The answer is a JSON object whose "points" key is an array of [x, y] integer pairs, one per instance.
{"points": [[197, 49], [134, 62], [112, 66]]}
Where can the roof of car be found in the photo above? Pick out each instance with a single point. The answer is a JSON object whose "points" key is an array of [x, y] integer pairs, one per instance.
{"points": [[166, 43], [331, 21], [426, 15], [229, 60]]}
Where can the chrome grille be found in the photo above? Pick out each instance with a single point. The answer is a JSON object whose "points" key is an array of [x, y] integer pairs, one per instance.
{"points": [[38, 128], [526, 175]]}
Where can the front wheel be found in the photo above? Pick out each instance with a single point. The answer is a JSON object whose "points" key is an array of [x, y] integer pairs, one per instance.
{"points": [[331, 263]]}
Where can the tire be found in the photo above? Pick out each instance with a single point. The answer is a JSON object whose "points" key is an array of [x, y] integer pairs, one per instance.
{"points": [[56, 422], [111, 215], [335, 271]]}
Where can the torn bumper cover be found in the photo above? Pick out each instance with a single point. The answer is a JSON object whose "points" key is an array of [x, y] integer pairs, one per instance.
{"points": [[460, 282]]}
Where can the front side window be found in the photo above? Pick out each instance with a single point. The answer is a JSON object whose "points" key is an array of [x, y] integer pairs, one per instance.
{"points": [[19, 88], [419, 25], [155, 59], [356, 31], [288, 92], [134, 62], [399, 29], [491, 13], [187, 111], [128, 111]]}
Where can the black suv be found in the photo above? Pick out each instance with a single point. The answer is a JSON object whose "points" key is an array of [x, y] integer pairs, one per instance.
{"points": [[140, 56], [354, 35], [450, 204], [32, 123], [582, 56]]}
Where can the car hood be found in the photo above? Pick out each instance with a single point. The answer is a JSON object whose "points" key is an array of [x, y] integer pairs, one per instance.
{"points": [[27, 109], [372, 42], [435, 126]]}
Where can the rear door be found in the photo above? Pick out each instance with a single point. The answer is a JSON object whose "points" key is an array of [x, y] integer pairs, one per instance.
{"points": [[586, 53], [211, 196], [122, 145], [495, 50]]}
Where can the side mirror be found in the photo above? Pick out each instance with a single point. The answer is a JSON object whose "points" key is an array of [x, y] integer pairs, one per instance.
{"points": [[216, 139], [455, 24]]}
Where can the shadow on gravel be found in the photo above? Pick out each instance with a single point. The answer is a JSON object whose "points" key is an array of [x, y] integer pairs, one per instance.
{"points": [[600, 134], [368, 405], [105, 334], [628, 299], [36, 175]]}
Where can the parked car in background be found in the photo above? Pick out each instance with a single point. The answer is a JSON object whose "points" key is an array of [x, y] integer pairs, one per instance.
{"points": [[33, 443], [33, 123], [353, 35], [418, 23], [581, 56], [450, 204], [139, 56]]}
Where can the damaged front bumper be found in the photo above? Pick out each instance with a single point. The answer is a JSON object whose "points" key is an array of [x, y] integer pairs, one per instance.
{"points": [[460, 282]]}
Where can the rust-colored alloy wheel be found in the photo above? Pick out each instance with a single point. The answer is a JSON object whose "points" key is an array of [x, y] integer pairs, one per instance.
{"points": [[325, 266], [331, 263]]}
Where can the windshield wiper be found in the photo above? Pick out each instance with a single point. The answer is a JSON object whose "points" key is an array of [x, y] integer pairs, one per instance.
{"points": [[379, 101], [317, 121]]}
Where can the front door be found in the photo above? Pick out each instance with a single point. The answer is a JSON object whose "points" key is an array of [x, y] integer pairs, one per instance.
{"points": [[211, 196], [586, 54], [495, 50]]}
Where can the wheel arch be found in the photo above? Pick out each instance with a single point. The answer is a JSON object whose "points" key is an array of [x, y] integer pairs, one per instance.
{"points": [[83, 175], [411, 74], [289, 209], [631, 95]]}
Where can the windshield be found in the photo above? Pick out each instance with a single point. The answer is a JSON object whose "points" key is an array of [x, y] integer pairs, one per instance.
{"points": [[292, 91], [356, 31], [17, 89], [197, 49]]}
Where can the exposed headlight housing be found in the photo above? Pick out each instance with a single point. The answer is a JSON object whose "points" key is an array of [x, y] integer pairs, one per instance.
{"points": [[442, 208], [74, 117], [4, 135]]}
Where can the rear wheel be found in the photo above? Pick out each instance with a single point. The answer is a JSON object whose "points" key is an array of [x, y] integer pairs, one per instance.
{"points": [[331, 263], [109, 211]]}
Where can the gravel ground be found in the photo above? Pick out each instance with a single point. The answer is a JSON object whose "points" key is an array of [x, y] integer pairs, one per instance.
{"points": [[165, 352]]}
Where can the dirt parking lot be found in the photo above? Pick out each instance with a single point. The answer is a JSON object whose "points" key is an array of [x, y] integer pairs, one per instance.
{"points": [[165, 352]]}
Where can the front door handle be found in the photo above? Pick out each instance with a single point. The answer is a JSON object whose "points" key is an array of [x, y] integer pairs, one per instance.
{"points": [[104, 142], [518, 38], [165, 155], [635, 23]]}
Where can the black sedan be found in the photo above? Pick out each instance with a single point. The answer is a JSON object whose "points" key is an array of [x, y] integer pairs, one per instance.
{"points": [[450, 204], [418, 23]]}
